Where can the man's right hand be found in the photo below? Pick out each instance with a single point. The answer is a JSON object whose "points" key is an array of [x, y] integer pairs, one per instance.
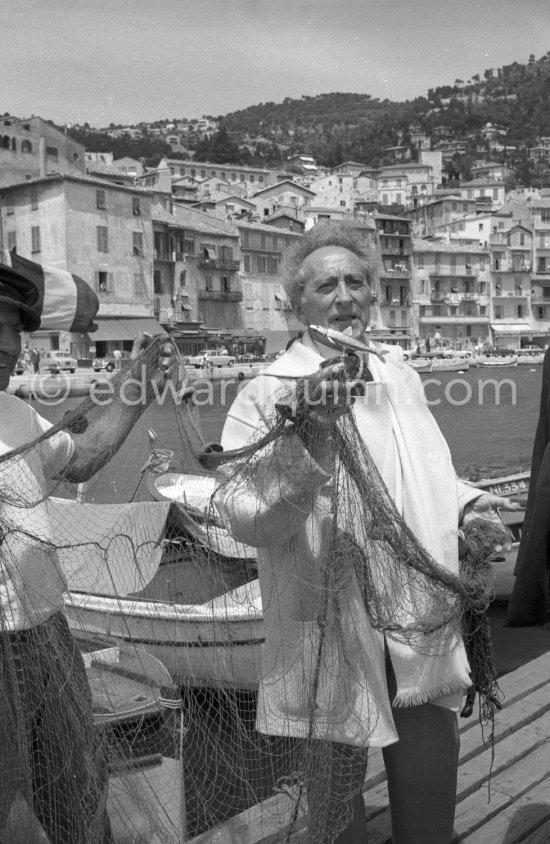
{"points": [[320, 400]]}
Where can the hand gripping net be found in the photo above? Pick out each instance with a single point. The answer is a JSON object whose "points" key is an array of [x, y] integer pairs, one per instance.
{"points": [[129, 714]]}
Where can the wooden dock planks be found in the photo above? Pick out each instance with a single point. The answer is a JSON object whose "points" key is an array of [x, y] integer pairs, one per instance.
{"points": [[507, 802]]}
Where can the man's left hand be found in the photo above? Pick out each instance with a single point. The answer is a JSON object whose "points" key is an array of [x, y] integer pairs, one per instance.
{"points": [[487, 506]]}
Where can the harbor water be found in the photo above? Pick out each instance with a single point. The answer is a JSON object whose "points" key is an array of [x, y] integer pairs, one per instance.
{"points": [[488, 417]]}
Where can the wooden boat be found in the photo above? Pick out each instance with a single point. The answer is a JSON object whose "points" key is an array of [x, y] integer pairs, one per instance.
{"points": [[183, 590], [497, 360], [530, 358], [420, 364], [449, 365]]}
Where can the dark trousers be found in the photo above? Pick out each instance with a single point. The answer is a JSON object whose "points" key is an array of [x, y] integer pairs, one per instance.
{"points": [[49, 746], [422, 770]]}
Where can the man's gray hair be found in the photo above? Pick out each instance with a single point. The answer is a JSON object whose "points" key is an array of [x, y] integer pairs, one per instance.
{"points": [[362, 242]]}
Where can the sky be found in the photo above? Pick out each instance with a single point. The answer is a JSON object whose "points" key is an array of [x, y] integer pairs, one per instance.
{"points": [[124, 61]]}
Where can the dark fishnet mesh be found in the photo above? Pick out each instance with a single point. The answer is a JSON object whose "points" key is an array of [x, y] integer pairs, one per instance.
{"points": [[154, 687]]}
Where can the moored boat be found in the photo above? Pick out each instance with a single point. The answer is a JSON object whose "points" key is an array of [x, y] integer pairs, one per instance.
{"points": [[497, 360], [420, 364], [449, 365]]}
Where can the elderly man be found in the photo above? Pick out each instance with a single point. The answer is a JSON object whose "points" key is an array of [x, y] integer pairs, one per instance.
{"points": [[49, 748], [280, 505]]}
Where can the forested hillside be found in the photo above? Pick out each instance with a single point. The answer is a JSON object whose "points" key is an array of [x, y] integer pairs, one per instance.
{"points": [[337, 126]]}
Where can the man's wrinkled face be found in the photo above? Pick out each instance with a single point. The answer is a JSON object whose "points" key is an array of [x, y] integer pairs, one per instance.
{"points": [[336, 293], [10, 341]]}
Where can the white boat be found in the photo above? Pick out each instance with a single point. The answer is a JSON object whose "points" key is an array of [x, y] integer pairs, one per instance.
{"points": [[497, 360], [449, 365], [200, 615], [530, 358], [420, 364]]}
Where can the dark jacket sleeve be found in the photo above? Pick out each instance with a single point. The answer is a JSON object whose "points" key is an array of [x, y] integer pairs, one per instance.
{"points": [[528, 603]]}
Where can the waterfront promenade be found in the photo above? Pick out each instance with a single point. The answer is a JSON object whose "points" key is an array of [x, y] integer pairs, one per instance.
{"points": [[506, 805]]}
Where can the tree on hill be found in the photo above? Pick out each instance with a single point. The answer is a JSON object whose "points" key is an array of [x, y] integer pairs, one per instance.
{"points": [[219, 149]]}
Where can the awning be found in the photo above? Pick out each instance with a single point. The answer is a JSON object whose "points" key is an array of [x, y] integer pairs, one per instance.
{"points": [[125, 329], [511, 329]]}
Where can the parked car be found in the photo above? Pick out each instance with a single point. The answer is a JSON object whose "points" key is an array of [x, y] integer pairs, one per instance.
{"points": [[109, 362], [57, 361], [212, 357]]}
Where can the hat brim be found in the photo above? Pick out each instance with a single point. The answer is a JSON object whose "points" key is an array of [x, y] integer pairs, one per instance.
{"points": [[29, 317]]}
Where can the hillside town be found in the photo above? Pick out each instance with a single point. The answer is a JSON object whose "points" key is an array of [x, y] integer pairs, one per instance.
{"points": [[194, 248]]}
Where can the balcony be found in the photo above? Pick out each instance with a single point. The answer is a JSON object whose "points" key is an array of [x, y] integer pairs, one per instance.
{"points": [[437, 296], [227, 264], [394, 250], [391, 272], [221, 295], [450, 272], [164, 255], [469, 297]]}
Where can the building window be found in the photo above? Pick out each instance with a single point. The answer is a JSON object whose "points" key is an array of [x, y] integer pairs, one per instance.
{"points": [[495, 193], [140, 288], [482, 264], [208, 282], [272, 265], [545, 215], [246, 262], [263, 241], [137, 244], [520, 311], [102, 239], [35, 237], [103, 282], [498, 312], [12, 241], [262, 264], [100, 199], [189, 245], [420, 260], [246, 238], [157, 282], [251, 177], [224, 284], [482, 310], [26, 146], [34, 198], [52, 152], [136, 206]]}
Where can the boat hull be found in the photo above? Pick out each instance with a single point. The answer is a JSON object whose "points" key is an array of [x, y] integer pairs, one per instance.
{"points": [[215, 644]]}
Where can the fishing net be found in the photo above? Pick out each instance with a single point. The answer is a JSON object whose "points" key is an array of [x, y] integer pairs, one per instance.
{"points": [[129, 709]]}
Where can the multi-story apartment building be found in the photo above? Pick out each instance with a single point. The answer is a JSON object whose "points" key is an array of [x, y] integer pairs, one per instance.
{"points": [[97, 230], [252, 177], [197, 290], [433, 215], [487, 191], [406, 184], [334, 191], [451, 291], [540, 275], [394, 303], [511, 257], [267, 311], [32, 148], [284, 194]]}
